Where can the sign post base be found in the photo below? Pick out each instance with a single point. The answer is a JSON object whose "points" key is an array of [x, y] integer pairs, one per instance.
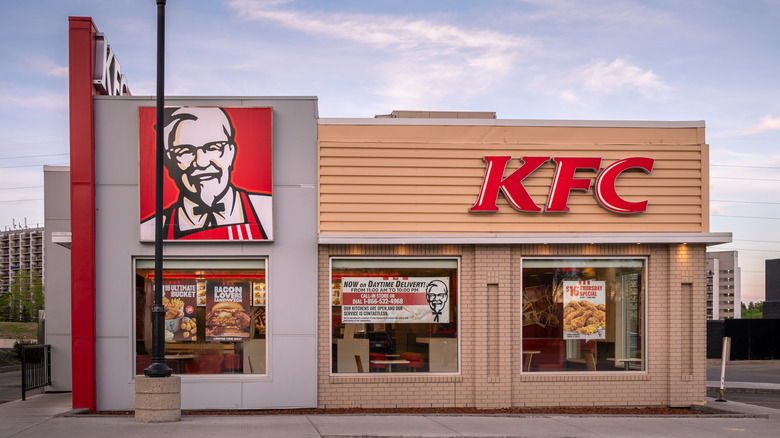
{"points": [[157, 399]]}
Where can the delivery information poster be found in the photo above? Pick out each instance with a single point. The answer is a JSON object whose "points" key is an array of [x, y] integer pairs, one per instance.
{"points": [[179, 300], [584, 307], [395, 299], [227, 310]]}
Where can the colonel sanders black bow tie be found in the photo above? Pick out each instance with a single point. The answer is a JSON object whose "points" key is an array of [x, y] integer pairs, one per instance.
{"points": [[209, 211]]}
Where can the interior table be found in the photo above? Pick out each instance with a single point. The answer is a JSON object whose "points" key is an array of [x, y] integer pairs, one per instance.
{"points": [[529, 354], [626, 360], [390, 363]]}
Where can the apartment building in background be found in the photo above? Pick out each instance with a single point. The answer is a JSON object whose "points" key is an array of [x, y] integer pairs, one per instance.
{"points": [[20, 249], [723, 285]]}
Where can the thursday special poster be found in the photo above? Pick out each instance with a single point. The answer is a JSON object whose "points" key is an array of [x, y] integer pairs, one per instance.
{"points": [[584, 309]]}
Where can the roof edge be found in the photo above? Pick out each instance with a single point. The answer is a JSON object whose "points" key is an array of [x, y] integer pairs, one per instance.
{"points": [[529, 238], [515, 122]]}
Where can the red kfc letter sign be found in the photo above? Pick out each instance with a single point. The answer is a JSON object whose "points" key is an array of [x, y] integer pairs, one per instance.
{"points": [[512, 186], [605, 185], [563, 183]]}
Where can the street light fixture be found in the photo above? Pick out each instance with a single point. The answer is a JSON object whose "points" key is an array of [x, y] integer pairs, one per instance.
{"points": [[158, 368]]}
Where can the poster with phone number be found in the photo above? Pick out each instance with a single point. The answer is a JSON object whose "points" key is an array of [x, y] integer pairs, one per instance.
{"points": [[395, 299]]}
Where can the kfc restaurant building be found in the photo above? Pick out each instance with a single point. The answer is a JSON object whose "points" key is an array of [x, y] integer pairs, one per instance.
{"points": [[418, 260]]}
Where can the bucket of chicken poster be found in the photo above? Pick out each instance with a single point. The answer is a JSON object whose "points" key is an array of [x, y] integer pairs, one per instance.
{"points": [[584, 309], [179, 302], [227, 310], [395, 299]]}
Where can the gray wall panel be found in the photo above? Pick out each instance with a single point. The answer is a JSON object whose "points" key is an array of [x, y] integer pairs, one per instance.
{"points": [[56, 182], [294, 283], [292, 257]]}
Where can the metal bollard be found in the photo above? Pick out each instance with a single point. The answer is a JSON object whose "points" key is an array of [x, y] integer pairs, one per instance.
{"points": [[726, 353]]}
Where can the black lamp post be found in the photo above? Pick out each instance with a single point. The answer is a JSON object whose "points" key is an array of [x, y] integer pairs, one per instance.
{"points": [[158, 368]]}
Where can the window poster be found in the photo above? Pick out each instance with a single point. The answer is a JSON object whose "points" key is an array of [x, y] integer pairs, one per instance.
{"points": [[258, 293], [179, 300], [227, 310], [395, 299], [584, 309], [201, 293]]}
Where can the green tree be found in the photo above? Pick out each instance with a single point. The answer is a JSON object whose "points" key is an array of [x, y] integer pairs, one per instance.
{"points": [[4, 309], [25, 297], [753, 310]]}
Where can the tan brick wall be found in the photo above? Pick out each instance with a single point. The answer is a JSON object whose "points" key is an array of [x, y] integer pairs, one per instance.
{"points": [[491, 326]]}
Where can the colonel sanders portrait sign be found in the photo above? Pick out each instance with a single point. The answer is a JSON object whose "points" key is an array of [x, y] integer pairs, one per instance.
{"points": [[218, 173]]}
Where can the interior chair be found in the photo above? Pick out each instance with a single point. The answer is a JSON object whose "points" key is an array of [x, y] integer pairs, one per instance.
{"points": [[376, 366], [233, 363], [416, 360]]}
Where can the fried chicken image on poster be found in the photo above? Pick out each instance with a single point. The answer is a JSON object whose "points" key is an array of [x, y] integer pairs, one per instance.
{"points": [[218, 173], [584, 310]]}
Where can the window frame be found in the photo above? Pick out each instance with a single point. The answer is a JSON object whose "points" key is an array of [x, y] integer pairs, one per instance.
{"points": [[203, 378], [645, 312], [368, 375]]}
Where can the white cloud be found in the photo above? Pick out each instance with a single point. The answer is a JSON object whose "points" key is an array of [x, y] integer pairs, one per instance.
{"points": [[380, 31], [37, 101], [767, 123], [50, 68], [716, 209], [410, 61], [596, 13], [619, 77]]}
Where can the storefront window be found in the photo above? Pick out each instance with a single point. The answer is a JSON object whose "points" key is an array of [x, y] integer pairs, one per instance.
{"points": [[583, 314], [215, 316], [394, 315]]}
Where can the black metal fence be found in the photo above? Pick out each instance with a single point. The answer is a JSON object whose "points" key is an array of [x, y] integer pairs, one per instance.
{"points": [[36, 367], [751, 339]]}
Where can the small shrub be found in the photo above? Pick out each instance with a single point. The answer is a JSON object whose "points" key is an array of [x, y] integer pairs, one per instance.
{"points": [[8, 358], [20, 344]]}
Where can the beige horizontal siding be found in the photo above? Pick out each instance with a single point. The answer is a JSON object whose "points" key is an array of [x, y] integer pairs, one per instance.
{"points": [[424, 179]]}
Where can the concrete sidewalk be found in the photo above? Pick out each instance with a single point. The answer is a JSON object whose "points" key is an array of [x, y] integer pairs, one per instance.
{"points": [[50, 415]]}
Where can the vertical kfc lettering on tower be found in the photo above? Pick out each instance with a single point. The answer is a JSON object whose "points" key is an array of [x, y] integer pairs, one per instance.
{"points": [[108, 78], [564, 180]]}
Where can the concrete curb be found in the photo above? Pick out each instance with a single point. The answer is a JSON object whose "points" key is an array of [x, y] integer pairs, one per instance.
{"points": [[10, 368], [713, 388], [707, 412], [73, 413], [726, 411], [714, 391]]}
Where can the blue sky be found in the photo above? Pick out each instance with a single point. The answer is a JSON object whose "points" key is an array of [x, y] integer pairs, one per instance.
{"points": [[717, 61]]}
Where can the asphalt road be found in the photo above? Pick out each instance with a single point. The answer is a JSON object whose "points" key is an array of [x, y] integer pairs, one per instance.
{"points": [[757, 371], [10, 386]]}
